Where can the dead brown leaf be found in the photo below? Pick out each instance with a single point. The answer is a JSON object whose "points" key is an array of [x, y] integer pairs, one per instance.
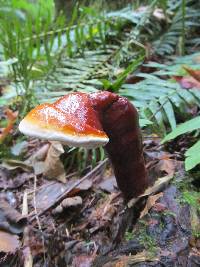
{"points": [[9, 181], [48, 195], [104, 213], [10, 219], [11, 164], [157, 187], [150, 203], [53, 166], [167, 165], [37, 159], [8, 242], [125, 261], [82, 261]]}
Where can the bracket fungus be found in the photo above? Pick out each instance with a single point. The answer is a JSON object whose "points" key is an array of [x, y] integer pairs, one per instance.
{"points": [[92, 120]]}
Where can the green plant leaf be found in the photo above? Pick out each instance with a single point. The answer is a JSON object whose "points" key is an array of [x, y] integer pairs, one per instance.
{"points": [[185, 127], [144, 122], [133, 66], [192, 156]]}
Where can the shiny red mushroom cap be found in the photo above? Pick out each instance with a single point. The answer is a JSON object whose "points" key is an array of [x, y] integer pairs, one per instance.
{"points": [[70, 120]]}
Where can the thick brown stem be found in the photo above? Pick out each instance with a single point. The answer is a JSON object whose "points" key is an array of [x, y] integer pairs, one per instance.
{"points": [[120, 121]]}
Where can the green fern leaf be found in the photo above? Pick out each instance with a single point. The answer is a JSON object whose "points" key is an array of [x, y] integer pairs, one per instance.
{"points": [[183, 128], [192, 156]]}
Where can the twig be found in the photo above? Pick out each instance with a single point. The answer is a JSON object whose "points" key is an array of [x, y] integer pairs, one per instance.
{"points": [[28, 259], [48, 184], [66, 192], [37, 217]]}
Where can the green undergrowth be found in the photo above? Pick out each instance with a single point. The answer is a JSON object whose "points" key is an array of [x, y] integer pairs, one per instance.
{"points": [[46, 57]]}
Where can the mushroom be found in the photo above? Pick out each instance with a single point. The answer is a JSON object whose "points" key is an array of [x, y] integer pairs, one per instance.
{"points": [[92, 120]]}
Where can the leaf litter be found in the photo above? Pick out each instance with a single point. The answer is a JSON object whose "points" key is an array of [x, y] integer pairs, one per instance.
{"points": [[82, 219]]}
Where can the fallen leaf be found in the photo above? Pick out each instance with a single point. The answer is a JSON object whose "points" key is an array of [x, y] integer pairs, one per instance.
{"points": [[8, 242], [10, 219], [109, 184], [39, 155], [124, 261], [53, 166], [48, 195], [191, 81], [194, 73], [159, 207], [103, 214], [83, 261], [150, 203], [9, 181], [11, 118], [37, 159], [157, 187], [187, 82], [167, 165], [11, 164]]}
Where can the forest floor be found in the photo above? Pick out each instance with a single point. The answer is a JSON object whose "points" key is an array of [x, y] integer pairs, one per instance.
{"points": [[83, 221]]}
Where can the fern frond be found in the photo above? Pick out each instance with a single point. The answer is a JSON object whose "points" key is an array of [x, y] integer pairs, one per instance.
{"points": [[167, 42], [163, 101]]}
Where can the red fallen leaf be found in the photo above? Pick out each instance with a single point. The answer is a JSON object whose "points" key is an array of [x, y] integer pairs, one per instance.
{"points": [[159, 207], [187, 82], [194, 73], [11, 117]]}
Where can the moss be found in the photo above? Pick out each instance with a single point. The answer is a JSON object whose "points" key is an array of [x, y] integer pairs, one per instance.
{"points": [[141, 234]]}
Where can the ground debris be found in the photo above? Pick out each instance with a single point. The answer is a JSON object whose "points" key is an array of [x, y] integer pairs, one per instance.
{"points": [[8, 242], [84, 233], [10, 219], [70, 202], [53, 166]]}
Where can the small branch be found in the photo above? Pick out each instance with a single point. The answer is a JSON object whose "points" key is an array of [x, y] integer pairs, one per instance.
{"points": [[37, 217], [28, 259]]}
